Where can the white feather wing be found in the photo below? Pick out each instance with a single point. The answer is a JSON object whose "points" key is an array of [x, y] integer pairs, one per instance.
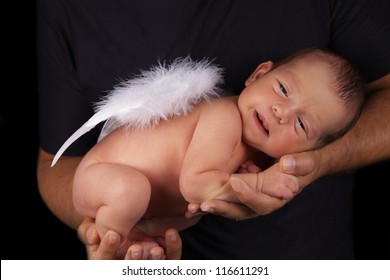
{"points": [[157, 94]]}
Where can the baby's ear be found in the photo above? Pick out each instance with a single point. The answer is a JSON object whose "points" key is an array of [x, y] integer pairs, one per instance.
{"points": [[259, 72]]}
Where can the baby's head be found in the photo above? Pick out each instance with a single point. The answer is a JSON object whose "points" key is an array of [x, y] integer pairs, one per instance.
{"points": [[347, 83], [300, 103]]}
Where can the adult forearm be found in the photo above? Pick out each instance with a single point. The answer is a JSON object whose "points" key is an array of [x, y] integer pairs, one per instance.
{"points": [[369, 141], [55, 187]]}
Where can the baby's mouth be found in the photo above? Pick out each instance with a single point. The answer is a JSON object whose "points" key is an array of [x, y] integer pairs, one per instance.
{"points": [[263, 123]]}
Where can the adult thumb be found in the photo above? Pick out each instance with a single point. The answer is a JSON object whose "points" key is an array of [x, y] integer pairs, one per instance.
{"points": [[300, 164]]}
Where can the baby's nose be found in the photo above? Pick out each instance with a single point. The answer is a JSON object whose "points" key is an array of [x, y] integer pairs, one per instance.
{"points": [[282, 113]]}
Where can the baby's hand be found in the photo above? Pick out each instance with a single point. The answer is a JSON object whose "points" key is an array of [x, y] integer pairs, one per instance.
{"points": [[248, 166], [278, 184]]}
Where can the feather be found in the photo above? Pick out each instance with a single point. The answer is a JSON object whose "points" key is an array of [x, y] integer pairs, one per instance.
{"points": [[158, 94]]}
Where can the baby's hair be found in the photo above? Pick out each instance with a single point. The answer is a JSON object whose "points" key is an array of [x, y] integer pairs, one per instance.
{"points": [[349, 84]]}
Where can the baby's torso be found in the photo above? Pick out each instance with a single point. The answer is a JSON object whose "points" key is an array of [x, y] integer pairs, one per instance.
{"points": [[158, 152]]}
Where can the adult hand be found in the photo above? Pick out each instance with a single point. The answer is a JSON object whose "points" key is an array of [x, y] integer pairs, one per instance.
{"points": [[194, 209], [108, 248], [305, 166], [254, 203]]}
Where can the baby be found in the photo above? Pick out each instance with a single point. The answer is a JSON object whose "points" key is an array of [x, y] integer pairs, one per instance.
{"points": [[145, 178]]}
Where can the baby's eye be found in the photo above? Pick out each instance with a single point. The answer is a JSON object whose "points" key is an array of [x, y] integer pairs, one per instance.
{"points": [[283, 89], [301, 124]]}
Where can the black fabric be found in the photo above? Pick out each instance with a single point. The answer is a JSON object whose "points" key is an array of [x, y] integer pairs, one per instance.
{"points": [[309, 227], [87, 47]]}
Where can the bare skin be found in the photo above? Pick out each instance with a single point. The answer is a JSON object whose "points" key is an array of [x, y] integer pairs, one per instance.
{"points": [[55, 184], [124, 188], [128, 178], [357, 149]]}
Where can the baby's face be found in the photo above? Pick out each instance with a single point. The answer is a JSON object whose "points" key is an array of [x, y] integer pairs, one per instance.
{"points": [[289, 108]]}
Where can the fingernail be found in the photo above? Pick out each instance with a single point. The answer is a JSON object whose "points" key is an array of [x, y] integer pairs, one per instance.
{"points": [[289, 163], [192, 209], [136, 254], [173, 236], [156, 257], [90, 235], [207, 209], [113, 237]]}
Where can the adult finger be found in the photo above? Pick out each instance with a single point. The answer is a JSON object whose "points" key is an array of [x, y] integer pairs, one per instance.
{"points": [[228, 209], [174, 244], [305, 166], [108, 247], [259, 202], [87, 232], [194, 210], [89, 237], [156, 253], [97, 249], [134, 252], [300, 164]]}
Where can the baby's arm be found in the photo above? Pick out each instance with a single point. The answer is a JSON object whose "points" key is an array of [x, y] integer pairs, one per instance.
{"points": [[272, 182], [214, 151]]}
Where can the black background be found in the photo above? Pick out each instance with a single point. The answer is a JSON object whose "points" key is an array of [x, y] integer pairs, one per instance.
{"points": [[30, 231]]}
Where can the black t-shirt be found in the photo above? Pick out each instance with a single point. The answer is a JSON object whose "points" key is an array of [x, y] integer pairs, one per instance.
{"points": [[87, 47]]}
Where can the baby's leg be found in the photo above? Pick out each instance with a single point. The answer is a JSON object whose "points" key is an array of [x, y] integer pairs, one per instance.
{"points": [[116, 195]]}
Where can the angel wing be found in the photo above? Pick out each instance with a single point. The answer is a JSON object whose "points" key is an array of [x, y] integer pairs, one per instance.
{"points": [[154, 95]]}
